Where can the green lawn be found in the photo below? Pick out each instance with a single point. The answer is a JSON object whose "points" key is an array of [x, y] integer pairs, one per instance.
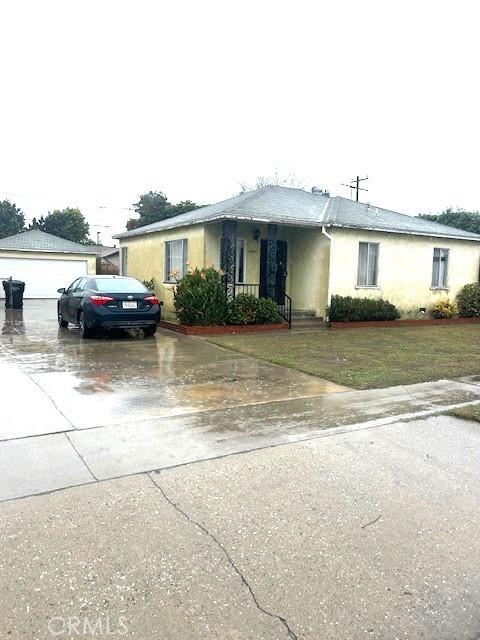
{"points": [[369, 358], [471, 412]]}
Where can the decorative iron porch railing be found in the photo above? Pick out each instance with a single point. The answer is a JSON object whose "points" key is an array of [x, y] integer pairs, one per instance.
{"points": [[285, 309], [250, 289], [282, 300]]}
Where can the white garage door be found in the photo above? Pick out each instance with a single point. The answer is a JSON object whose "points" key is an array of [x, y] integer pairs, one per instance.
{"points": [[42, 277]]}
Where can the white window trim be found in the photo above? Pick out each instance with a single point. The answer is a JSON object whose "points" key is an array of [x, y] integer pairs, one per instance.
{"points": [[368, 286], [445, 285], [166, 268]]}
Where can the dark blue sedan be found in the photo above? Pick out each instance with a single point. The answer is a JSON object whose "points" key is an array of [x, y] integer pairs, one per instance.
{"points": [[108, 302]]}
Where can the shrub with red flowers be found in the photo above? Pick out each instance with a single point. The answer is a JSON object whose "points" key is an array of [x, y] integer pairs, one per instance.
{"points": [[199, 298]]}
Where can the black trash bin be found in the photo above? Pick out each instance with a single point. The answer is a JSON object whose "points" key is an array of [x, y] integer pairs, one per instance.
{"points": [[13, 293]]}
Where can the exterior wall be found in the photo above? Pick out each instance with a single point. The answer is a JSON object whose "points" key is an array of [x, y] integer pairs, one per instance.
{"points": [[404, 268], [310, 253], [146, 257], [46, 255]]}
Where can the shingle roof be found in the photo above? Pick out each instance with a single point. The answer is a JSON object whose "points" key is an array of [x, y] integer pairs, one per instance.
{"points": [[103, 251], [36, 240], [283, 205]]}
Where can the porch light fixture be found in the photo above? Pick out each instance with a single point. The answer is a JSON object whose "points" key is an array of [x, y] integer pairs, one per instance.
{"points": [[256, 234]]}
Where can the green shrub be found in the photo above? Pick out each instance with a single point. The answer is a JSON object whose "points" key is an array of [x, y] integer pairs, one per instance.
{"points": [[348, 309], [247, 309], [468, 300], [199, 298], [243, 309], [266, 311], [150, 284], [444, 309]]}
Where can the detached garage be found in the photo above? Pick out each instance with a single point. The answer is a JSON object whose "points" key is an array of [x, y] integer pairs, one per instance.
{"points": [[44, 262]]}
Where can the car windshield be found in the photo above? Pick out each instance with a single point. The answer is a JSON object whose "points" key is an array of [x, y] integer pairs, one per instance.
{"points": [[119, 285]]}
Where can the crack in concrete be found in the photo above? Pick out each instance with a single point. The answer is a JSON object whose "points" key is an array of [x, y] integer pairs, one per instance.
{"points": [[81, 457], [364, 526], [429, 405], [291, 634]]}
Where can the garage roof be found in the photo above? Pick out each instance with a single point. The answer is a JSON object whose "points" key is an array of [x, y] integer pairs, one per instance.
{"points": [[36, 240], [284, 205]]}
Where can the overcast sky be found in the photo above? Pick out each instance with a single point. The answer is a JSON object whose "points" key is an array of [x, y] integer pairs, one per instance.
{"points": [[103, 100]]}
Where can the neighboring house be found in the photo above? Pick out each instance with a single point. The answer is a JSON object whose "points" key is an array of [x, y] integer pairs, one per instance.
{"points": [[309, 246], [108, 260], [44, 262]]}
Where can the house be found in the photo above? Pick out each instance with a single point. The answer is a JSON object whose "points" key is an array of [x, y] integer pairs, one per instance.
{"points": [[291, 244], [44, 262], [108, 260]]}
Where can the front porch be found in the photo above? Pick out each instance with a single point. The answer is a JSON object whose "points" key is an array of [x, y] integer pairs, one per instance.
{"points": [[288, 264]]}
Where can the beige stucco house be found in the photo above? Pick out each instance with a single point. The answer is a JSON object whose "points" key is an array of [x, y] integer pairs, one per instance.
{"points": [[308, 246]]}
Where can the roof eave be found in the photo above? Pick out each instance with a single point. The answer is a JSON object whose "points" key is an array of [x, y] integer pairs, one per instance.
{"points": [[403, 232], [224, 216], [79, 253], [288, 222]]}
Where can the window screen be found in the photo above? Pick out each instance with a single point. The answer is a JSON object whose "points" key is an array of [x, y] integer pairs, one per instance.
{"points": [[367, 264], [175, 259], [440, 268]]}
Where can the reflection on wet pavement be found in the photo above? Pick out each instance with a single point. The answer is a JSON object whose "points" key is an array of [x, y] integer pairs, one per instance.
{"points": [[127, 405], [120, 379]]}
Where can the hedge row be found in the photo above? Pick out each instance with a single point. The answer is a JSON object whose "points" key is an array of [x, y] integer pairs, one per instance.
{"points": [[348, 309]]}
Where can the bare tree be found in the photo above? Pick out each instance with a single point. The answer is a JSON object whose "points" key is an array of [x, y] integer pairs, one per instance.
{"points": [[277, 179]]}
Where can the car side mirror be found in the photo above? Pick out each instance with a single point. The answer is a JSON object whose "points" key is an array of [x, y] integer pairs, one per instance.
{"points": [[61, 290]]}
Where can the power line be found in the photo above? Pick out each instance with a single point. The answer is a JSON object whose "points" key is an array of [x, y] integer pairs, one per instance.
{"points": [[355, 184], [48, 199]]}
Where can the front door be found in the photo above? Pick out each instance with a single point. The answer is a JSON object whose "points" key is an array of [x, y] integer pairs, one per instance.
{"points": [[280, 274]]}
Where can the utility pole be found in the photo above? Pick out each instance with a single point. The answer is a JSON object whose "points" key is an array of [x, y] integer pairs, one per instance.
{"points": [[355, 184]]}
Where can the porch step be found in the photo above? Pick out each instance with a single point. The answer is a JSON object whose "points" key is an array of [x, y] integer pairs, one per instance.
{"points": [[301, 314], [308, 323]]}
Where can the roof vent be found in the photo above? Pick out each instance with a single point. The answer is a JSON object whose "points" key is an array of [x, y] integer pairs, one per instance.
{"points": [[321, 192]]}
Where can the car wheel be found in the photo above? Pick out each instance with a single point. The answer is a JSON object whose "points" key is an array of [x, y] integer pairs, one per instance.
{"points": [[150, 331], [63, 324], [84, 331]]}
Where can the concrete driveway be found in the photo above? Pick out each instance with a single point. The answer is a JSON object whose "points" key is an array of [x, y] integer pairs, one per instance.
{"points": [[79, 411], [223, 497]]}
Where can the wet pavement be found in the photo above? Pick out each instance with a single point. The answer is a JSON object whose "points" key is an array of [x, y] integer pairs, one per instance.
{"points": [[79, 411], [311, 511]]}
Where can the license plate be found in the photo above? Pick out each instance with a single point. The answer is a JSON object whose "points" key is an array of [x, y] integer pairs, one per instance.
{"points": [[129, 305]]}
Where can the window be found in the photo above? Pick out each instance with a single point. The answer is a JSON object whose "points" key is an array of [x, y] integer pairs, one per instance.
{"points": [[124, 269], [240, 262], [119, 285], [81, 284], [73, 286], [175, 259], [367, 275], [440, 268]]}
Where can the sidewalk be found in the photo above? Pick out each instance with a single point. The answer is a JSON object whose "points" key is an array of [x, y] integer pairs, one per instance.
{"points": [[367, 534], [72, 456]]}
